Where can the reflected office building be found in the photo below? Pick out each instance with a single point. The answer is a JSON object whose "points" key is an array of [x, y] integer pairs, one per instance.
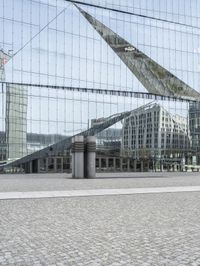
{"points": [[152, 132]]}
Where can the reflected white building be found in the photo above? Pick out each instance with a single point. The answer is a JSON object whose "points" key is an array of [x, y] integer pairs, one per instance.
{"points": [[151, 131]]}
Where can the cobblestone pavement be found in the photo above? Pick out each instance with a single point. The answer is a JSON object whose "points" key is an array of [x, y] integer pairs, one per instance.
{"points": [[151, 229], [46, 182]]}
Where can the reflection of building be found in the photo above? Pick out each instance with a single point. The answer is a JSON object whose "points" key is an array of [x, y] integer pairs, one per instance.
{"points": [[34, 142], [151, 131], [16, 121], [194, 120], [109, 139], [97, 122], [39, 141], [16, 115], [3, 146]]}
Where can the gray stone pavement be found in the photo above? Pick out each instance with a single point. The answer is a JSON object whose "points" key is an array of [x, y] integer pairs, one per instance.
{"points": [[52, 182], [143, 229], [153, 229]]}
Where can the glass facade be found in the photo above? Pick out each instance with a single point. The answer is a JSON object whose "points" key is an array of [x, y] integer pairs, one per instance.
{"points": [[194, 118], [50, 55]]}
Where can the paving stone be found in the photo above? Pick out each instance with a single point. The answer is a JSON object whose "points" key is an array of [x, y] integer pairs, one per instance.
{"points": [[52, 182], [151, 229]]}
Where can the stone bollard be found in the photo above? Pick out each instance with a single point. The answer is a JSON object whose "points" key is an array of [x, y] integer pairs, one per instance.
{"points": [[78, 157], [91, 157], [73, 159]]}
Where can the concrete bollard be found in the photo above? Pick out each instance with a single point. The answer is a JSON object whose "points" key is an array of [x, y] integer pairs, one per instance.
{"points": [[73, 159], [91, 157], [78, 157]]}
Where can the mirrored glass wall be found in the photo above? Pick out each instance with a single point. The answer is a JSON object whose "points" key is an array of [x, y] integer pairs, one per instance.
{"points": [[59, 77]]}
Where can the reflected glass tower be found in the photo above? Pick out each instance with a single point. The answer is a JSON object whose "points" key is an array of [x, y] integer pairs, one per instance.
{"points": [[16, 121], [16, 115]]}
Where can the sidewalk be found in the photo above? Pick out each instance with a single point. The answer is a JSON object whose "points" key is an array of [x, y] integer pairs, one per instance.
{"points": [[142, 229]]}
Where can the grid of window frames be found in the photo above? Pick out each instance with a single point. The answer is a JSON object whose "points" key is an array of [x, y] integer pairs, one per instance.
{"points": [[49, 43]]}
